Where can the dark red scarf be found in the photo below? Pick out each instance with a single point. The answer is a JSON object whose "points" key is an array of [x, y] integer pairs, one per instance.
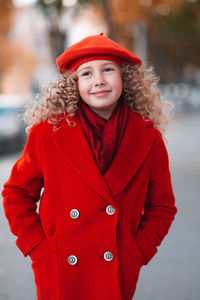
{"points": [[104, 136]]}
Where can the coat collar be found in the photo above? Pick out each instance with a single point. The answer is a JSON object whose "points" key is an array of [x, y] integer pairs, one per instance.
{"points": [[135, 145]]}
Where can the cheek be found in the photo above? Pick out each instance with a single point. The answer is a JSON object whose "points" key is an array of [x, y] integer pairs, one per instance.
{"points": [[81, 88], [118, 85]]}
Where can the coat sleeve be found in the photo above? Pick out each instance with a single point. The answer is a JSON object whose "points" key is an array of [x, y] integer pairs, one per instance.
{"points": [[22, 191], [160, 206]]}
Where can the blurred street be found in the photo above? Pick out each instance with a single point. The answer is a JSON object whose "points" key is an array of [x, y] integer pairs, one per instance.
{"points": [[165, 36], [173, 274]]}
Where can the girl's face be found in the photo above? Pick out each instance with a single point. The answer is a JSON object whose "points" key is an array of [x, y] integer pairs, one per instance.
{"points": [[100, 85]]}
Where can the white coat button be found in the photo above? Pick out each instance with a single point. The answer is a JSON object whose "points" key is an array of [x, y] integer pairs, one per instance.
{"points": [[74, 213], [108, 256], [72, 260], [110, 210]]}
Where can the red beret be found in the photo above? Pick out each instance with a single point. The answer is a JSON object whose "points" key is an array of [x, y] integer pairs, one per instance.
{"points": [[92, 48]]}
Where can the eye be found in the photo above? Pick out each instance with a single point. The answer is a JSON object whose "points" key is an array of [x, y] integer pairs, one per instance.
{"points": [[86, 73], [108, 69]]}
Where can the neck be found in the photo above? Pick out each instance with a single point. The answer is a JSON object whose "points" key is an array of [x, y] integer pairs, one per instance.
{"points": [[104, 113]]}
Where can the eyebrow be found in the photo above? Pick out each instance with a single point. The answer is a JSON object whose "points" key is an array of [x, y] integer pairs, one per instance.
{"points": [[108, 63]]}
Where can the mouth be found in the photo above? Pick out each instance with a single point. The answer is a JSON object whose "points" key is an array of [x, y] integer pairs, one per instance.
{"points": [[101, 93]]}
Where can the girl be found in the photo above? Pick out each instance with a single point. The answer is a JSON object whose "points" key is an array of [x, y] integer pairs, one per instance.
{"points": [[96, 160]]}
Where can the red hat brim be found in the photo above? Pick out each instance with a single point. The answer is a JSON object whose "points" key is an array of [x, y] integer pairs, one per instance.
{"points": [[90, 46]]}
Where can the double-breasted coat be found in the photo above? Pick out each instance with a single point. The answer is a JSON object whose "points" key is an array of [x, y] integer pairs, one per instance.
{"points": [[92, 232]]}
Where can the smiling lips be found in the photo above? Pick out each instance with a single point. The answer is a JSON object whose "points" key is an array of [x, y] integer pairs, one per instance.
{"points": [[101, 93]]}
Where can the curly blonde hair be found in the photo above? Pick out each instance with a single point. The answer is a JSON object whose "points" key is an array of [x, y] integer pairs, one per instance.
{"points": [[60, 99]]}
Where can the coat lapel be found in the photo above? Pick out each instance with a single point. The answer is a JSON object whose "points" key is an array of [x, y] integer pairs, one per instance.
{"points": [[135, 145], [73, 146], [132, 152]]}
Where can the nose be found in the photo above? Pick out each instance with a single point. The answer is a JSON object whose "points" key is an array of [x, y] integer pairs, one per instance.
{"points": [[99, 79]]}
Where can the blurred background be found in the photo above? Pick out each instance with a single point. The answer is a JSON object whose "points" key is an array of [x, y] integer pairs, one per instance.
{"points": [[165, 34]]}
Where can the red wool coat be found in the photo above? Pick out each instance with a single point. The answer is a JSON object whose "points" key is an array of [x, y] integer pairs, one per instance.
{"points": [[92, 233]]}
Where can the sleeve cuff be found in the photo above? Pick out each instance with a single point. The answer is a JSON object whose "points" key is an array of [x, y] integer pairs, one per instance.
{"points": [[28, 240], [146, 247]]}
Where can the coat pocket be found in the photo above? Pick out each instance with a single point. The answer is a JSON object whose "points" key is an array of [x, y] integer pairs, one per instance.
{"points": [[132, 263], [139, 253], [45, 267]]}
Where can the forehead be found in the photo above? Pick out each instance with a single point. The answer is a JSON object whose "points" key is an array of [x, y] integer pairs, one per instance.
{"points": [[95, 63]]}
